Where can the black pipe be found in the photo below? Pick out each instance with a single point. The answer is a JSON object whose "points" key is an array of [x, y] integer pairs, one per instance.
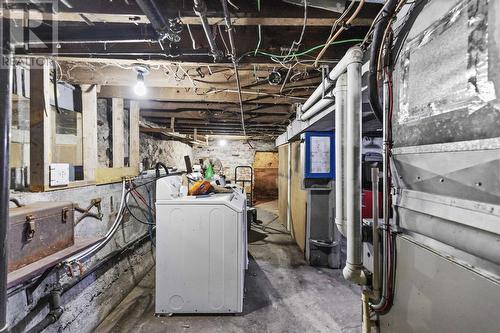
{"points": [[151, 10], [55, 311], [5, 121], [378, 34], [200, 9]]}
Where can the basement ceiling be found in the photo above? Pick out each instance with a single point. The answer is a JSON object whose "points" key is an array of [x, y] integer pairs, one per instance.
{"points": [[100, 42]]}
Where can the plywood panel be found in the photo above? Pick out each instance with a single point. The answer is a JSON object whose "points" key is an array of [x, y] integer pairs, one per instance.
{"points": [[67, 154], [266, 159], [283, 184], [299, 199], [265, 175], [16, 155]]}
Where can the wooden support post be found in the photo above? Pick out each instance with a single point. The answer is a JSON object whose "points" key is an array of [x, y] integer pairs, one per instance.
{"points": [[42, 133], [134, 135], [172, 124], [195, 134], [118, 133], [89, 120]]}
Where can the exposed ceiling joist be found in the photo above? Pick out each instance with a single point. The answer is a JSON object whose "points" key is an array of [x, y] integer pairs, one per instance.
{"points": [[176, 75], [191, 20], [200, 95], [159, 106]]}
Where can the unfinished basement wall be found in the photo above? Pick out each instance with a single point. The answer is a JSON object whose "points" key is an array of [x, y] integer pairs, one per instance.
{"points": [[87, 304], [234, 153], [171, 153]]}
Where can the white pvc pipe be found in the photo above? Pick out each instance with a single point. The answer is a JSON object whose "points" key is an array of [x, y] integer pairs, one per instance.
{"points": [[354, 54], [321, 105], [353, 271], [340, 114]]}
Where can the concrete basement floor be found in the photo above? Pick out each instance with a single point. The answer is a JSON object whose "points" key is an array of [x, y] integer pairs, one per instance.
{"points": [[283, 294]]}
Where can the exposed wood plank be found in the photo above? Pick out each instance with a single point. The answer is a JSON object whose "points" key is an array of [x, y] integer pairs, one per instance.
{"points": [[154, 62], [192, 20], [173, 76], [42, 133], [89, 119], [134, 135], [283, 184], [200, 95], [113, 175], [169, 133], [299, 198], [118, 133], [226, 116], [166, 105]]}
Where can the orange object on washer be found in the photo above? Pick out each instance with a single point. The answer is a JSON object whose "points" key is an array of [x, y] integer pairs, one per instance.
{"points": [[201, 187]]}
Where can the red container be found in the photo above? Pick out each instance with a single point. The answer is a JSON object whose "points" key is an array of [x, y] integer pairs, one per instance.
{"points": [[367, 202]]}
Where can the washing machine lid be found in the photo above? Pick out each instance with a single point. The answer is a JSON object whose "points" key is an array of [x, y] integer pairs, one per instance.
{"points": [[236, 201]]}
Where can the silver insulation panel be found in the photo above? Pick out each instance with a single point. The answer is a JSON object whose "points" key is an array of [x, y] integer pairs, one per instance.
{"points": [[445, 93]]}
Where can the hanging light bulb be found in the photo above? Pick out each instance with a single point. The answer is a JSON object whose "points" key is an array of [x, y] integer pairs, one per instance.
{"points": [[140, 87]]}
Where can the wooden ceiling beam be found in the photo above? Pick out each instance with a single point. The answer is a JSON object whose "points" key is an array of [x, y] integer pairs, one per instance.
{"points": [[200, 95], [159, 106], [179, 76], [244, 19]]}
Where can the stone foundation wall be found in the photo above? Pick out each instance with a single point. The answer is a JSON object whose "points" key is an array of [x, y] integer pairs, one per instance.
{"points": [[233, 154]]}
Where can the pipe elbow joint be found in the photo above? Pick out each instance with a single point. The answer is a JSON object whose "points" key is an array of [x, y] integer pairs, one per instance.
{"points": [[341, 226], [355, 54], [355, 274]]}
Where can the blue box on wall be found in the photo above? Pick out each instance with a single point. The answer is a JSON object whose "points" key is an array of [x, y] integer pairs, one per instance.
{"points": [[319, 155]]}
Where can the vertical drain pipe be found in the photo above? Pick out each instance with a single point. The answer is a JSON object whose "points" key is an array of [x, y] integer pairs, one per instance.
{"points": [[353, 271], [5, 119], [340, 108]]}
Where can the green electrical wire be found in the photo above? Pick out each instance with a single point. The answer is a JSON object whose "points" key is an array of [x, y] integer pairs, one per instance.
{"points": [[307, 51]]}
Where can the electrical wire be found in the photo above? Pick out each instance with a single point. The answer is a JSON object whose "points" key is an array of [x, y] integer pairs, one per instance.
{"points": [[223, 40], [133, 215], [345, 41], [118, 219], [337, 34], [297, 43], [191, 36]]}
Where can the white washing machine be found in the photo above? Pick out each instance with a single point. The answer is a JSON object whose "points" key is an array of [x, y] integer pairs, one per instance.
{"points": [[201, 253]]}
